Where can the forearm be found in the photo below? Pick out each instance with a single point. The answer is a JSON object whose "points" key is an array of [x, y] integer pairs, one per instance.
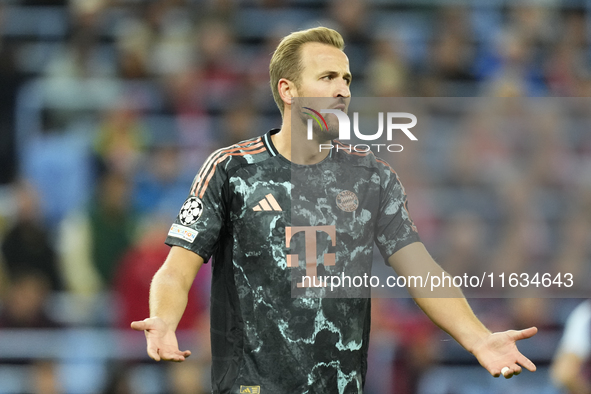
{"points": [[454, 316], [171, 284], [168, 297], [446, 306]]}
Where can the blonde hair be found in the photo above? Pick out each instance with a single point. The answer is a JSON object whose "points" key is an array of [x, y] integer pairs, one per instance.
{"points": [[286, 61]]}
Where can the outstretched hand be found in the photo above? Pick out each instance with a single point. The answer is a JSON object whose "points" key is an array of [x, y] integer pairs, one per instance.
{"points": [[162, 342], [498, 350]]}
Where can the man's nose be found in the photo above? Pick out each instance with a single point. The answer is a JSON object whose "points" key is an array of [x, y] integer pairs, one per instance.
{"points": [[343, 89]]}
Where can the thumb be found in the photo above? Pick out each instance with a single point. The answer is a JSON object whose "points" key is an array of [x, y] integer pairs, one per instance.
{"points": [[141, 325], [153, 352], [524, 334]]}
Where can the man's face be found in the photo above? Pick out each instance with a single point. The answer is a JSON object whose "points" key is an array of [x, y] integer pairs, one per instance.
{"points": [[325, 74]]}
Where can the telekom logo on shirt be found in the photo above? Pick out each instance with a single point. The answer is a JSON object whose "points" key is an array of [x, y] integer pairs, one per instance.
{"points": [[310, 242]]}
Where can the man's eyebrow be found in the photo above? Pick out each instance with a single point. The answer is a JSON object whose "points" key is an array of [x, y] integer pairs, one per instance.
{"points": [[335, 73]]}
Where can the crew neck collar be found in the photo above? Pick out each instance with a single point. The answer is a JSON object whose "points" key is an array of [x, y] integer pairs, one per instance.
{"points": [[268, 141]]}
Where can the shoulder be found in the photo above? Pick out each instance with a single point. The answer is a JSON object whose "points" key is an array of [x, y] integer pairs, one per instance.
{"points": [[225, 160], [577, 334], [245, 152], [349, 156], [581, 315]]}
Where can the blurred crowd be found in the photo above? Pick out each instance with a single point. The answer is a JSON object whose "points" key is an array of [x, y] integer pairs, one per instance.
{"points": [[109, 107]]}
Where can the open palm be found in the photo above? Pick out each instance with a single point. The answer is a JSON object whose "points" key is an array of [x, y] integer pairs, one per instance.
{"points": [[162, 342], [499, 350]]}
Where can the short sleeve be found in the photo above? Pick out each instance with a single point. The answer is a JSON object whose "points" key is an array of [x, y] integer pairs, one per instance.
{"points": [[200, 219], [577, 332], [394, 226]]}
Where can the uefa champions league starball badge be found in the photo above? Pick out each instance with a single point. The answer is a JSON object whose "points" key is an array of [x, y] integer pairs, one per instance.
{"points": [[191, 211], [347, 201]]}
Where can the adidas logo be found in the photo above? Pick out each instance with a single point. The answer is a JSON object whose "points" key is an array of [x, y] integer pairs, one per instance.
{"points": [[267, 204]]}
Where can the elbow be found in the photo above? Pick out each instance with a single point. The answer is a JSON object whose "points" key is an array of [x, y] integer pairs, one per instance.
{"points": [[168, 276]]}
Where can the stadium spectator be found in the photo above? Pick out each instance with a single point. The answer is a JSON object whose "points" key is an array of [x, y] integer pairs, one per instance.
{"points": [[93, 241], [403, 49], [27, 247], [158, 184], [25, 304]]}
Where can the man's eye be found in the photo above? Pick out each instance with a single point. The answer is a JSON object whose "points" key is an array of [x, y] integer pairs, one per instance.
{"points": [[328, 77]]}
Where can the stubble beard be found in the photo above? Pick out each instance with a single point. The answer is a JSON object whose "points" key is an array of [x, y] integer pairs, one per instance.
{"points": [[320, 134], [325, 135]]}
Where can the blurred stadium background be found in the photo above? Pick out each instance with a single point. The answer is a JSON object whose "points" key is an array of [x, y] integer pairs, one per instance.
{"points": [[108, 108]]}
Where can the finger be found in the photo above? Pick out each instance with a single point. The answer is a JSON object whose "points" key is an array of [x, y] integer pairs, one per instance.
{"points": [[172, 356], [517, 370], [526, 362], [507, 372], [175, 359], [141, 325], [153, 353], [524, 334], [496, 372]]}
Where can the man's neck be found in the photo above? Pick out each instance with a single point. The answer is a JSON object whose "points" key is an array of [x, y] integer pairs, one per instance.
{"points": [[297, 148]]}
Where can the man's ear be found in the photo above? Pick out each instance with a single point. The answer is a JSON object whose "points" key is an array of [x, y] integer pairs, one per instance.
{"points": [[287, 90]]}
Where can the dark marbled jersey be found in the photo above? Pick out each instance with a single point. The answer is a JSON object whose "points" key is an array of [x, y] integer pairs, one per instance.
{"points": [[267, 223]]}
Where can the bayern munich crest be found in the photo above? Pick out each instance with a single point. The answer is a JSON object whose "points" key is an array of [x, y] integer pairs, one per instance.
{"points": [[347, 201], [191, 211]]}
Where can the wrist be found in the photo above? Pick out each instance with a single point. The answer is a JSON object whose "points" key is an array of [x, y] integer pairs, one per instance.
{"points": [[475, 344], [477, 337], [164, 323]]}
